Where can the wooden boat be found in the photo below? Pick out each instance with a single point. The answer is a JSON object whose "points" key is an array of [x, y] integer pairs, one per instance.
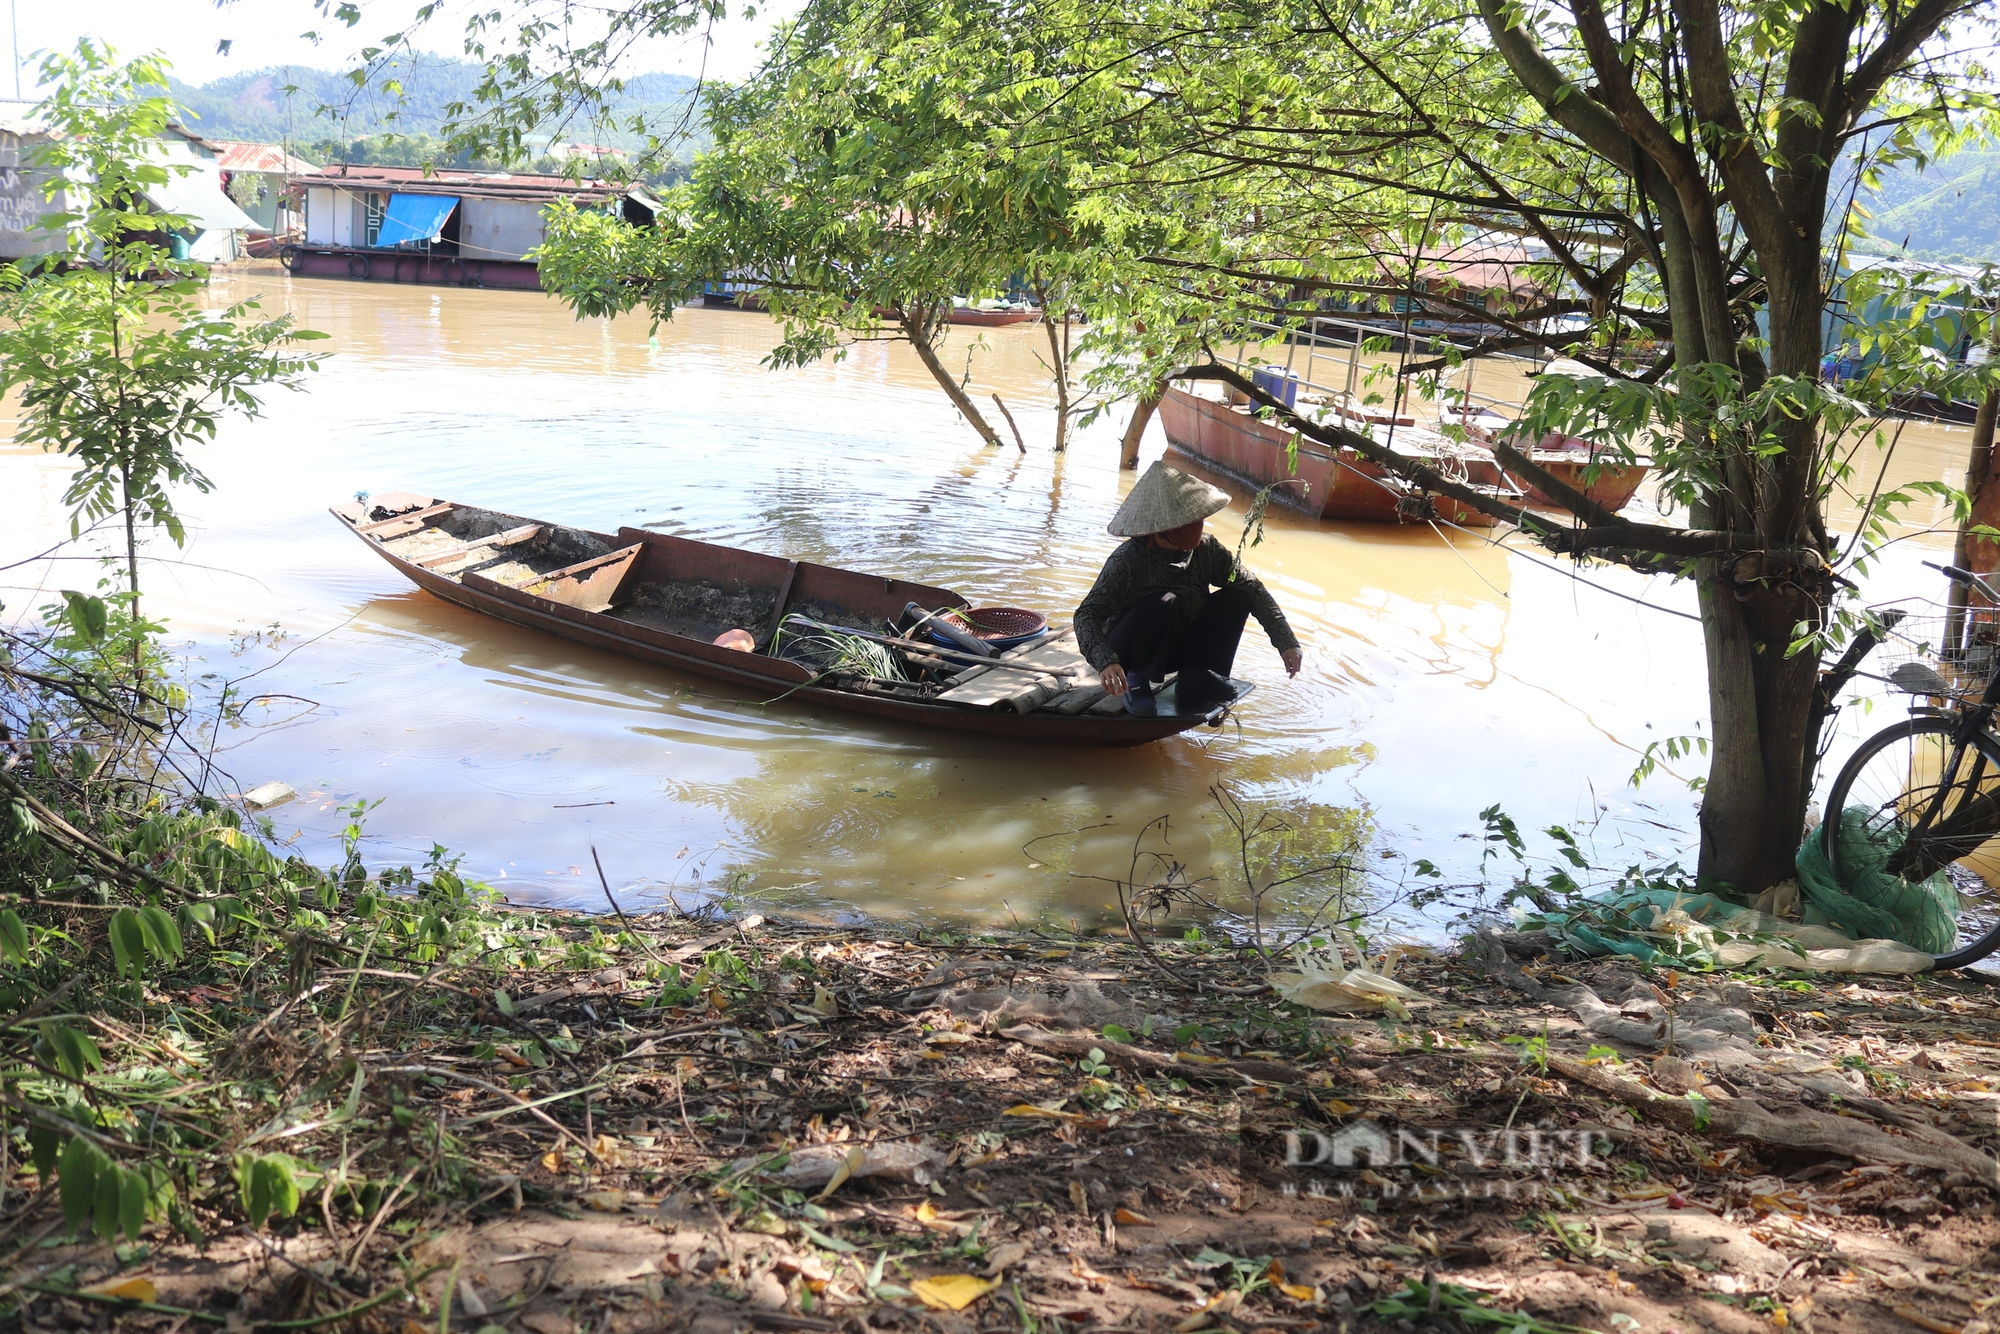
{"points": [[1334, 484], [999, 318], [666, 600], [1570, 459]]}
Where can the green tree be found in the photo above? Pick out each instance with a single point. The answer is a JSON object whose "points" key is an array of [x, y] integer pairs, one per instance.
{"points": [[863, 198], [1673, 163], [118, 362]]}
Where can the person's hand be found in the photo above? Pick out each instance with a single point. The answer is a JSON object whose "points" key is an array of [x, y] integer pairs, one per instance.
{"points": [[1113, 680], [1294, 659]]}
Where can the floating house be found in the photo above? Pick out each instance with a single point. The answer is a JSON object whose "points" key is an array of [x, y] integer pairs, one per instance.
{"points": [[212, 227], [256, 176], [464, 228]]}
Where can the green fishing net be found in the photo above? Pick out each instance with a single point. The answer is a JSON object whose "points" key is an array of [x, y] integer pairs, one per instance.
{"points": [[1899, 925], [1871, 903]]}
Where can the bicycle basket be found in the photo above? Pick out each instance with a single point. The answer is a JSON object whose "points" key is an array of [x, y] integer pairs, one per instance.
{"points": [[1959, 645]]}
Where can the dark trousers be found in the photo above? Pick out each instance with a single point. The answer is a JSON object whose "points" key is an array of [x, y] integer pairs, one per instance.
{"points": [[1150, 642]]}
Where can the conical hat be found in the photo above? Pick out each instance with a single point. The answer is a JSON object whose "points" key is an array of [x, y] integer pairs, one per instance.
{"points": [[1165, 498]]}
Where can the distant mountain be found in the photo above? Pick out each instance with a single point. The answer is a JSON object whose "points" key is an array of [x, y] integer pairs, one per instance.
{"points": [[1949, 212], [303, 107]]}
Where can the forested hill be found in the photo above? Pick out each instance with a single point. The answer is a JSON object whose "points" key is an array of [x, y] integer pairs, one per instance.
{"points": [[322, 109], [1949, 212]]}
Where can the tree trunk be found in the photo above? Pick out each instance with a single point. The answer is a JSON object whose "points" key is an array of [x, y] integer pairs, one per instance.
{"points": [[1135, 430], [1761, 747], [1979, 554], [914, 330], [132, 573], [1059, 359]]}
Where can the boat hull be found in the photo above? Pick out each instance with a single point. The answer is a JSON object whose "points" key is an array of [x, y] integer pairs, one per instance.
{"points": [[1612, 487], [394, 266], [1331, 484], [773, 586], [992, 319]]}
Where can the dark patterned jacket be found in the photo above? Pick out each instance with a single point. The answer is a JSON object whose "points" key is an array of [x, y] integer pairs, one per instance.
{"points": [[1138, 569]]}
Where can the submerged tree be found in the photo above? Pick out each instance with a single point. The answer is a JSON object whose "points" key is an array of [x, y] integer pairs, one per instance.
{"points": [[118, 361], [862, 198]]}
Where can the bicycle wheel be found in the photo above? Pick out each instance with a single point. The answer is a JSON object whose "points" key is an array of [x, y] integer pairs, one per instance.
{"points": [[1937, 802]]}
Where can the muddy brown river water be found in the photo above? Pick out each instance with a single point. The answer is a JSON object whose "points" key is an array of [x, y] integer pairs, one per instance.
{"points": [[1444, 674]]}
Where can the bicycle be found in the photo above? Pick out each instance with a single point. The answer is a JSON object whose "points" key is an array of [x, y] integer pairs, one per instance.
{"points": [[1931, 784]]}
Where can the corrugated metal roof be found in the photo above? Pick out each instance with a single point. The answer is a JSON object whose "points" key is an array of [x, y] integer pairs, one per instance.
{"points": [[18, 117], [195, 198], [267, 158], [465, 184]]}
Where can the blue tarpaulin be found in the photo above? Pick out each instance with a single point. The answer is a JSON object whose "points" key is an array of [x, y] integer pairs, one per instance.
{"points": [[414, 218]]}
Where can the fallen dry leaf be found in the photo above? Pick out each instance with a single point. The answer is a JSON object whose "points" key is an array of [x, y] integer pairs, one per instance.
{"points": [[1078, 1198], [131, 1289], [855, 1157], [605, 1201], [952, 1292], [1034, 1113], [1922, 1321], [1128, 1218], [1005, 1256], [1085, 1272], [1221, 1304]]}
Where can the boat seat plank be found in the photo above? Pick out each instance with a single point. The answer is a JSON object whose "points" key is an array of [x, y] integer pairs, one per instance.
{"points": [[401, 525], [588, 585], [1062, 666], [512, 537]]}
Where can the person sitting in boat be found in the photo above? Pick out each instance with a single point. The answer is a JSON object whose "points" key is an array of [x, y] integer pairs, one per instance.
{"points": [[1151, 611]]}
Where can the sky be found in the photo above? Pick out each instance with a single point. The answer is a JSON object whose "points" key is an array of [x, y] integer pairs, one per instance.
{"points": [[270, 32]]}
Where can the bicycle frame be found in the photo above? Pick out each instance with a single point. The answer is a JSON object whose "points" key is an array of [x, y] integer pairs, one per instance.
{"points": [[1976, 818]]}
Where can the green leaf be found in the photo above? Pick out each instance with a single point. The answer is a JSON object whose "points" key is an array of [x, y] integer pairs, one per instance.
{"points": [[504, 1003], [81, 1163], [109, 1201], [86, 614], [162, 937], [46, 1148], [14, 944], [128, 943], [1118, 1032], [197, 917], [1701, 1109], [270, 1187], [134, 1196], [72, 1052]]}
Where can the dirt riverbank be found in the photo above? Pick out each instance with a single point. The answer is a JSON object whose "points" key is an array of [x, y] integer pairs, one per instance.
{"points": [[806, 1128]]}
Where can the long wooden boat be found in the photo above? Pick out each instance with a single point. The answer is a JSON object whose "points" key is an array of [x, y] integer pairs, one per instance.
{"points": [[1333, 484], [1569, 459], [978, 318], [666, 600]]}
